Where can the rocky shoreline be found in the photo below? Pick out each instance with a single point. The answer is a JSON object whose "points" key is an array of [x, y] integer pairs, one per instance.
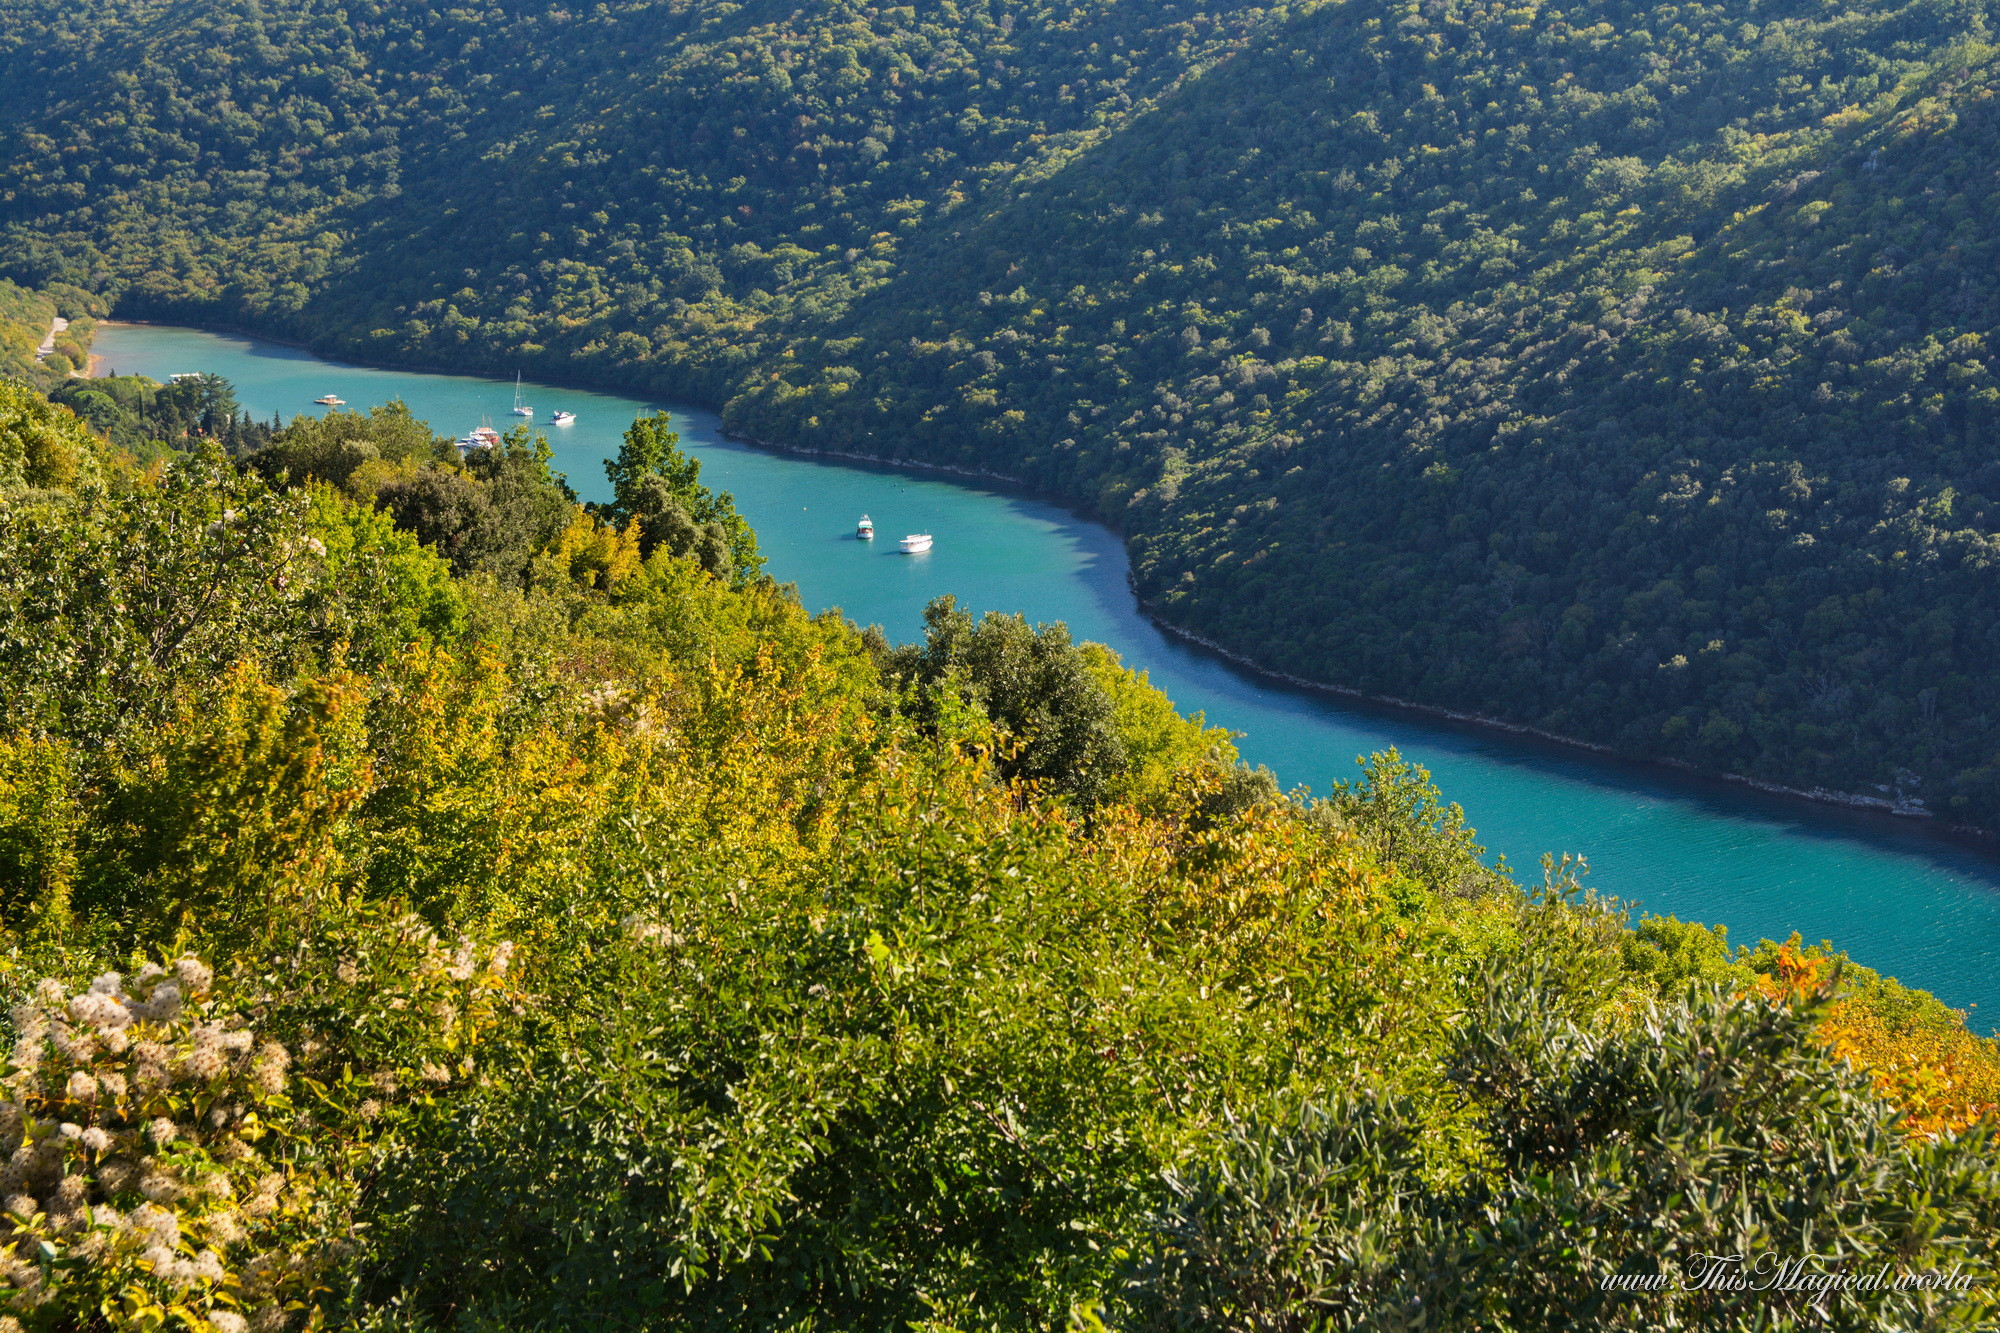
{"points": [[914, 465], [1904, 809], [1819, 795]]}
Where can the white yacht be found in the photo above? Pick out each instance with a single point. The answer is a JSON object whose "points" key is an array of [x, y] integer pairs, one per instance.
{"points": [[561, 418], [328, 401], [521, 409], [865, 529], [915, 542], [481, 436]]}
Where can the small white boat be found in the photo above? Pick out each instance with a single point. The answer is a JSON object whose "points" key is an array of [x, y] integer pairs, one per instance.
{"points": [[915, 542], [520, 409], [328, 401], [561, 418], [865, 529], [480, 437]]}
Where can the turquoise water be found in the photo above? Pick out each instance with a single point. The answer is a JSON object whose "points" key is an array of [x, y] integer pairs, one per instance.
{"points": [[1897, 896]]}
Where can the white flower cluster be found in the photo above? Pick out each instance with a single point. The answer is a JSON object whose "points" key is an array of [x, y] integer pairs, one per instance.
{"points": [[638, 926], [128, 1135], [617, 708], [460, 963]]}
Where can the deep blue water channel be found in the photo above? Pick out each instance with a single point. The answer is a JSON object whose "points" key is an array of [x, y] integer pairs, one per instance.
{"points": [[1895, 893]]}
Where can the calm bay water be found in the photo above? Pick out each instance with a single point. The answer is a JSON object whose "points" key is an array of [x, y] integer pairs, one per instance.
{"points": [[1897, 896]]}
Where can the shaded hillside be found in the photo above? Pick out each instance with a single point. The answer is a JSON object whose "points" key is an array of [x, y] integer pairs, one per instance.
{"points": [[305, 166], [1620, 370], [1690, 455]]}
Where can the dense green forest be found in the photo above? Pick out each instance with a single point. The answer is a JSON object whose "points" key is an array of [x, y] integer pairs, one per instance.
{"points": [[1618, 369], [400, 935]]}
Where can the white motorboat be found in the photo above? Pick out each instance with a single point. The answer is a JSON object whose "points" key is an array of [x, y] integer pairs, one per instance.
{"points": [[328, 401], [521, 409], [915, 542], [865, 529], [561, 418], [481, 437]]}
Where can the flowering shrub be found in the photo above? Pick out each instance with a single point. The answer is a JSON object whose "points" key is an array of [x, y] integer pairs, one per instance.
{"points": [[150, 1177], [168, 1166], [818, 1024], [391, 1014]]}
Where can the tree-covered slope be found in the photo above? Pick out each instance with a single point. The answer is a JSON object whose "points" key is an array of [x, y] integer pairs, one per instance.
{"points": [[1689, 454], [27, 322], [1619, 369], [307, 165], [396, 940]]}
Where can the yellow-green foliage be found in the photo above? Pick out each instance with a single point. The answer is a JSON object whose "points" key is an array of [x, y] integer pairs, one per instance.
{"points": [[43, 445], [641, 954], [592, 554], [357, 542], [38, 845], [357, 451], [25, 316], [1159, 742]]}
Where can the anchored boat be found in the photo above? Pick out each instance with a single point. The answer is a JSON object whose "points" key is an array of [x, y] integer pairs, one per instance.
{"points": [[327, 401], [915, 542], [521, 409], [561, 418], [865, 529]]}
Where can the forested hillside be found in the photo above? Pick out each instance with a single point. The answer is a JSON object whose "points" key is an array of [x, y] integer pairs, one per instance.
{"points": [[571, 933], [1621, 369]]}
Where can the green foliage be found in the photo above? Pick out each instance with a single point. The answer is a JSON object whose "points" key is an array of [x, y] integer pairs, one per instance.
{"points": [[490, 513], [1033, 683], [919, 1116], [1651, 1152], [414, 599], [626, 947], [43, 445], [1624, 372], [1160, 744], [25, 317], [149, 419], [1396, 811], [336, 447], [1669, 954], [33, 349], [118, 599], [113, 599], [658, 488]]}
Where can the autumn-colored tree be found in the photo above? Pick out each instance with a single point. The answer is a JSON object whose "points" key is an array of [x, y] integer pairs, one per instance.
{"points": [[1942, 1077]]}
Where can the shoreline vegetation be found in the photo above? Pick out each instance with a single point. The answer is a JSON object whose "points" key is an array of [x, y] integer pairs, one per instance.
{"points": [[1986, 839], [45, 334], [1634, 391], [430, 903], [384, 835]]}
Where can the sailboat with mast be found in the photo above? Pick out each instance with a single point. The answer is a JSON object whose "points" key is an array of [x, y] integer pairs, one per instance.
{"points": [[521, 409]]}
